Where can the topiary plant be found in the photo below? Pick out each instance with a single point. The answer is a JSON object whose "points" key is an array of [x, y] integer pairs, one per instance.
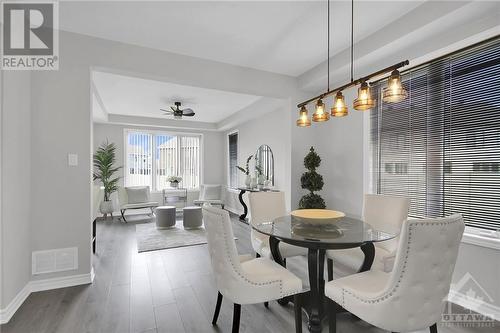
{"points": [[312, 181]]}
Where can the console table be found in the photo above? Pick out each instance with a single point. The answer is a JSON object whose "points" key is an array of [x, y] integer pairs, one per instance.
{"points": [[243, 217], [174, 196]]}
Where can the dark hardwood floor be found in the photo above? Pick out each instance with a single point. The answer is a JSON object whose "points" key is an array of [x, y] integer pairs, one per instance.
{"points": [[161, 291]]}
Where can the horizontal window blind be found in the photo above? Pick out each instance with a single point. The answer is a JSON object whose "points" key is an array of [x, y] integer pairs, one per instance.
{"points": [[441, 146], [233, 160]]}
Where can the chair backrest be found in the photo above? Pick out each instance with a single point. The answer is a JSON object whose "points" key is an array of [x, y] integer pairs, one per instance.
{"points": [[386, 213], [421, 277], [210, 192], [266, 206], [223, 254]]}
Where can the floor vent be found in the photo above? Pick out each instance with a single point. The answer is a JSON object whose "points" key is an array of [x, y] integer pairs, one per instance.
{"points": [[56, 260]]}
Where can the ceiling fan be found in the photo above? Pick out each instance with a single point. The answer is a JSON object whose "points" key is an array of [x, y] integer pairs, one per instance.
{"points": [[177, 112]]}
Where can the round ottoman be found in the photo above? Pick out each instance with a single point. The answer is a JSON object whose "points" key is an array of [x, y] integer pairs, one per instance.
{"points": [[192, 217], [165, 217]]}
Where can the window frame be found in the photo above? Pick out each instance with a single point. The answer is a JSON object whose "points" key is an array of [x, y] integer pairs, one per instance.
{"points": [[228, 164], [154, 132]]}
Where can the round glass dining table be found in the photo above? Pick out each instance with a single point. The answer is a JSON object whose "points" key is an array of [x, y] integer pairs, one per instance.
{"points": [[319, 235]]}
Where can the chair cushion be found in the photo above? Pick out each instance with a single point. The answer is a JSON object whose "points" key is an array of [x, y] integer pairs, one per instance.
{"points": [[286, 250], [201, 202], [211, 192], [348, 261], [140, 205], [137, 194], [262, 267]]}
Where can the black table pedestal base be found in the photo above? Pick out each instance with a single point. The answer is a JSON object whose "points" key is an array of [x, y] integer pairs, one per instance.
{"points": [[314, 302]]}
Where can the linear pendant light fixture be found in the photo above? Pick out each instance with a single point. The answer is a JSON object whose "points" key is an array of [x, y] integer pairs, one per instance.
{"points": [[393, 93]]}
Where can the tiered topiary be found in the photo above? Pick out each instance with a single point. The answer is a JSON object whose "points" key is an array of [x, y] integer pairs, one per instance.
{"points": [[312, 181]]}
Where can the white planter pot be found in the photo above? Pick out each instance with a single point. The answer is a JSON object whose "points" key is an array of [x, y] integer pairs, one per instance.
{"points": [[106, 207], [248, 181]]}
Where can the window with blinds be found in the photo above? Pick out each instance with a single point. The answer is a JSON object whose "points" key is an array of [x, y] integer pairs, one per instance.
{"points": [[151, 158], [233, 159], [441, 146]]}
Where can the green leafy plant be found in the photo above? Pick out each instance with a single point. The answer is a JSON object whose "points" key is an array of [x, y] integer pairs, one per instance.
{"points": [[312, 181], [104, 168], [246, 170]]}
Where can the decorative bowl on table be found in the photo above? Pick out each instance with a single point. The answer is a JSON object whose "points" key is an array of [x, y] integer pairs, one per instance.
{"points": [[316, 223], [317, 214]]}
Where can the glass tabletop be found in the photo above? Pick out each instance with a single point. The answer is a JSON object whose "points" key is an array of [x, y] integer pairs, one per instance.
{"points": [[334, 233]]}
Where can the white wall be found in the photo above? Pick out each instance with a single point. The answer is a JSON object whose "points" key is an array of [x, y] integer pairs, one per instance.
{"points": [[16, 182], [212, 158], [272, 129], [61, 124]]}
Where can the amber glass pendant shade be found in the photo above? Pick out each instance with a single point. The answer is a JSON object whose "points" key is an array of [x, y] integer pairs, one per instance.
{"points": [[303, 120], [394, 92], [339, 108], [365, 100], [320, 114]]}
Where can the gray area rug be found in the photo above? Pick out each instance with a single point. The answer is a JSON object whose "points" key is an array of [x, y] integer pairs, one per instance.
{"points": [[151, 239]]}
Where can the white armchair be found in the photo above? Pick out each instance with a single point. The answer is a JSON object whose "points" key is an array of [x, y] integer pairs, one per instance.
{"points": [[135, 197], [266, 206], [211, 194], [383, 212], [413, 295], [240, 278]]}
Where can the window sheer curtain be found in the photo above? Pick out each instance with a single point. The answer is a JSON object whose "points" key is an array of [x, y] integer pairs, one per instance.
{"points": [[441, 146]]}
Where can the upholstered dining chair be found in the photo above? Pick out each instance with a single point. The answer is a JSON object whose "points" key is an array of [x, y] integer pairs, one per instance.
{"points": [[243, 279], [264, 207], [413, 295], [382, 212]]}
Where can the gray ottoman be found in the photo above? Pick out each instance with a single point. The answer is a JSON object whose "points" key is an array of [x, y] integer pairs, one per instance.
{"points": [[165, 217], [192, 217]]}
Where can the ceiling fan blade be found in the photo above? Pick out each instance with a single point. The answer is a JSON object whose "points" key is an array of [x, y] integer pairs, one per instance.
{"points": [[188, 114], [173, 109]]}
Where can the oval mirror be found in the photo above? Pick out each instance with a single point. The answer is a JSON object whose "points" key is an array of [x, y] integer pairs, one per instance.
{"points": [[264, 162]]}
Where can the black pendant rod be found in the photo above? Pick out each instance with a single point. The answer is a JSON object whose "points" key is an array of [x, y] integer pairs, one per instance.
{"points": [[328, 46], [356, 82], [352, 40]]}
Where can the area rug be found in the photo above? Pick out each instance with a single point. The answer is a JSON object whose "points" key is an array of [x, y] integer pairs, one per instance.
{"points": [[151, 239]]}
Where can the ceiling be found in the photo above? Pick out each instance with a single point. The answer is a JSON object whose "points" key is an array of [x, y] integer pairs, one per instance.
{"points": [[286, 37], [132, 96]]}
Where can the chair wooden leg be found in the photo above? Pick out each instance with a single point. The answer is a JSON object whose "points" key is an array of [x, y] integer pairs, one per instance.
{"points": [[236, 318], [332, 316], [433, 328], [298, 313], [329, 264], [217, 308]]}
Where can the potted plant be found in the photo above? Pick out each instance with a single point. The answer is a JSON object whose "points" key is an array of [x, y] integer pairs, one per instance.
{"points": [[246, 171], [312, 181], [104, 169], [174, 181]]}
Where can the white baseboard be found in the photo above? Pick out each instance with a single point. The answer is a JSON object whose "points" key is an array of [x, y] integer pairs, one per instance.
{"points": [[8, 312], [482, 307], [41, 285]]}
